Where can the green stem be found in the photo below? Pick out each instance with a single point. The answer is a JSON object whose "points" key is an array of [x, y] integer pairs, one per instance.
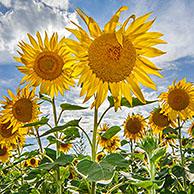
{"points": [[94, 145], [60, 114], [152, 172], [103, 115], [116, 187], [21, 167], [181, 152], [88, 138], [38, 139], [57, 146]]}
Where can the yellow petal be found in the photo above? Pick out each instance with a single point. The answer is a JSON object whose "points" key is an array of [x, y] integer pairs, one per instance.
{"points": [[140, 20], [112, 24], [93, 27], [151, 52]]}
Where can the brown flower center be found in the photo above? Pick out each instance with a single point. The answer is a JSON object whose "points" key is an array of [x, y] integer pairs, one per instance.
{"points": [[5, 131], [48, 65], [32, 161], [3, 151], [22, 110], [160, 120], [178, 99], [134, 126], [110, 61]]}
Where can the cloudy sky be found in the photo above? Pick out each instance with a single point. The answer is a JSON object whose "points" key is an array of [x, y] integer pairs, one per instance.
{"points": [[175, 19]]}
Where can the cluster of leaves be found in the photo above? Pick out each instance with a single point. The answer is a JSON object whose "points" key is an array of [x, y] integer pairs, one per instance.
{"points": [[146, 168]]}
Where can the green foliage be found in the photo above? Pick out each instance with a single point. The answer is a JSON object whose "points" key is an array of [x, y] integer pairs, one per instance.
{"points": [[111, 132], [66, 106], [103, 170]]}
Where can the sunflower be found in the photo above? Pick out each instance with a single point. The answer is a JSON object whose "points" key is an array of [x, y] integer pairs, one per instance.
{"points": [[4, 153], [115, 60], [20, 108], [33, 162], [47, 64], [7, 137], [158, 121], [134, 127], [100, 156], [65, 147], [191, 130], [178, 101], [110, 145]]}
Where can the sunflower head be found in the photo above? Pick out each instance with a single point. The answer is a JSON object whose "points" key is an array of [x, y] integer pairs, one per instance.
{"points": [[158, 121], [191, 130], [47, 64], [4, 153], [178, 101], [8, 137], [134, 127], [114, 58], [100, 156], [20, 108], [110, 145], [65, 147], [33, 162]]}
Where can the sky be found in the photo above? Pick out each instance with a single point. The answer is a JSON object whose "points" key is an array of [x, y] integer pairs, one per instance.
{"points": [[174, 18]]}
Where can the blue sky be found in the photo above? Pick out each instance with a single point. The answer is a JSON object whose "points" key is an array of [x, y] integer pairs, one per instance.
{"points": [[175, 18]]}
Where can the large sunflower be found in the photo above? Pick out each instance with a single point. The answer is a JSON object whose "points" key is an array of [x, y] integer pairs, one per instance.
{"points": [[9, 138], [47, 64], [134, 127], [20, 108], [158, 121], [178, 101], [110, 145], [4, 153], [115, 60]]}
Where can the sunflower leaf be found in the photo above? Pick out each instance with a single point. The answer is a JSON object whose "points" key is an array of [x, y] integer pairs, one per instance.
{"points": [[103, 170], [72, 123], [66, 106], [42, 121], [124, 102], [111, 132], [45, 98]]}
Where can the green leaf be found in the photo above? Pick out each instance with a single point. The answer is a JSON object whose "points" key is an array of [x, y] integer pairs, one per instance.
{"points": [[51, 153], [124, 102], [33, 174], [64, 159], [103, 170], [44, 97], [111, 132], [135, 102], [66, 106], [191, 167], [61, 128], [115, 160], [47, 166], [178, 171], [42, 121], [124, 142], [94, 171], [51, 139], [158, 154], [72, 132], [143, 184]]}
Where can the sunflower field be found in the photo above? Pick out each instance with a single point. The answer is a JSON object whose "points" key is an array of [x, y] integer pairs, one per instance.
{"points": [[109, 66]]}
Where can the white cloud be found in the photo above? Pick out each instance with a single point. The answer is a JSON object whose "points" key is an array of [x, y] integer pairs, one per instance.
{"points": [[30, 16]]}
